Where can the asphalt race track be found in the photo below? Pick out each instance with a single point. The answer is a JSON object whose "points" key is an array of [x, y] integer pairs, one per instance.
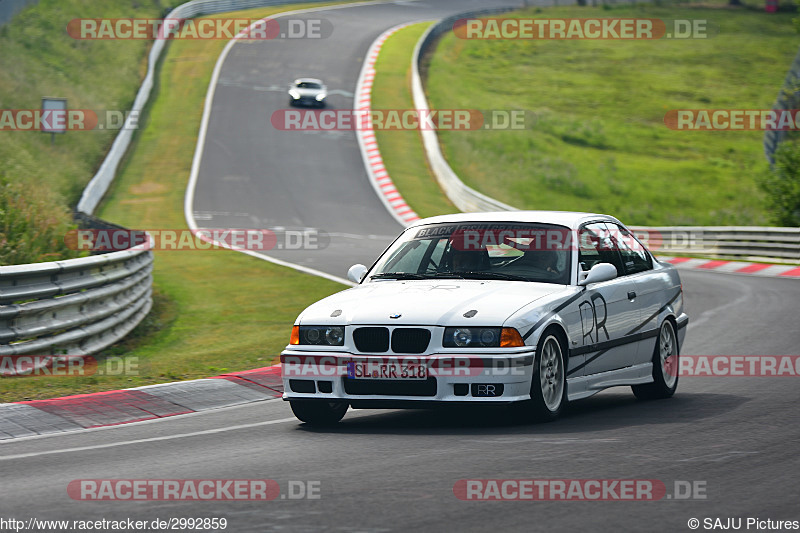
{"points": [[254, 176], [395, 470], [734, 438]]}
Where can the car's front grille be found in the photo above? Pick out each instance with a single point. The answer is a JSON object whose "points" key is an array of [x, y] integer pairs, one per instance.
{"points": [[371, 340], [390, 387], [375, 339], [410, 340]]}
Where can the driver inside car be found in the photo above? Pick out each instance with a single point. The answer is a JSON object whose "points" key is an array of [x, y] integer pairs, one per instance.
{"points": [[546, 260], [463, 261]]}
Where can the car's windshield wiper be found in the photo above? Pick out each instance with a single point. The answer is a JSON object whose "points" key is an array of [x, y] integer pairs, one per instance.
{"points": [[411, 275], [459, 275], [397, 275], [491, 275]]}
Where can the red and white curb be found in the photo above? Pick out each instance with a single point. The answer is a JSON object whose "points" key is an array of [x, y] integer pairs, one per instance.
{"points": [[110, 408], [373, 162], [734, 267]]}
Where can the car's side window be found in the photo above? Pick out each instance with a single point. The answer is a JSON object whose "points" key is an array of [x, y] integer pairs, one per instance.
{"points": [[596, 246], [634, 257]]}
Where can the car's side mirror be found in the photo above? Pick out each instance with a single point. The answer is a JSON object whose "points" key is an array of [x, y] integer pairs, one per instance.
{"points": [[599, 272], [356, 273]]}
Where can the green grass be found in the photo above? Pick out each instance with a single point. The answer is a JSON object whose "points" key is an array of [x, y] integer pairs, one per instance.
{"points": [[401, 150], [40, 59], [600, 143], [216, 310]]}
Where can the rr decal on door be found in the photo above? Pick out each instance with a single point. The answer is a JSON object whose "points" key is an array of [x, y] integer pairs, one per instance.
{"points": [[593, 318]]}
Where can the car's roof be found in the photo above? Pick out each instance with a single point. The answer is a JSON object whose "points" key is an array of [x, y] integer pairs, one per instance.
{"points": [[570, 219], [308, 80]]}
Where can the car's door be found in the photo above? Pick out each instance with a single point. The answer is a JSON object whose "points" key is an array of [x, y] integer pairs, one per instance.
{"points": [[608, 310], [650, 287]]}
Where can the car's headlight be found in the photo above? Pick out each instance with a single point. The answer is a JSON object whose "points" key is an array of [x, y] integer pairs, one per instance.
{"points": [[321, 96], [318, 335], [294, 94], [463, 337]]}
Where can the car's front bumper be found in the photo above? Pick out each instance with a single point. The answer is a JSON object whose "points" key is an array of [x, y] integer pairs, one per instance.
{"points": [[307, 101], [474, 378]]}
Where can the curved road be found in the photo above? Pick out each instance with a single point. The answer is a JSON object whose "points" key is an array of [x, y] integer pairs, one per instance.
{"points": [[254, 176], [395, 470]]}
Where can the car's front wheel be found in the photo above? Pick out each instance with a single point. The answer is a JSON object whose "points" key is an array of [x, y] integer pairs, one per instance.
{"points": [[549, 383], [665, 366], [318, 413]]}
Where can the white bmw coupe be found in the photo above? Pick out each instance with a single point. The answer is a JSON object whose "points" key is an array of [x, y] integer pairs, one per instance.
{"points": [[307, 91], [534, 308]]}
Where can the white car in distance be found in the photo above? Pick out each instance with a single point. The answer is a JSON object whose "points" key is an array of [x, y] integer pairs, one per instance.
{"points": [[308, 92]]}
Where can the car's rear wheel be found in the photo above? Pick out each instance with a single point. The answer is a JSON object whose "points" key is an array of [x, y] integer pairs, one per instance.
{"points": [[549, 383], [665, 366], [318, 413]]}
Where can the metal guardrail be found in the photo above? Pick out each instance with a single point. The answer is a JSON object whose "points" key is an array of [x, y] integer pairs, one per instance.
{"points": [[788, 98], [101, 181], [731, 242], [73, 307], [765, 243]]}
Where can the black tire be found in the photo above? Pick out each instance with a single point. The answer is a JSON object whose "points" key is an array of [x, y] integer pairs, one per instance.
{"points": [[665, 366], [318, 413], [548, 390]]}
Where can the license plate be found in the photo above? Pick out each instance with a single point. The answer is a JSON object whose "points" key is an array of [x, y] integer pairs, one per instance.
{"points": [[386, 370]]}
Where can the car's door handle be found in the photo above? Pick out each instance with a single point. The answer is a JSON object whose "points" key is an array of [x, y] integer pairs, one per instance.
{"points": [[631, 295]]}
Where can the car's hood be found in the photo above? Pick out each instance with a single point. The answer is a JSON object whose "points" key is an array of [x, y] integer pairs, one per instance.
{"points": [[427, 302]]}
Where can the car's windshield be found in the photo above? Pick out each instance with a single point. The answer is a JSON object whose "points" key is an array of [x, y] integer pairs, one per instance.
{"points": [[506, 251], [308, 85]]}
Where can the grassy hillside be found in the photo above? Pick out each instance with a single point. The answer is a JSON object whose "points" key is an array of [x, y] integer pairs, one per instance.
{"points": [[40, 182], [599, 142], [39, 59]]}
